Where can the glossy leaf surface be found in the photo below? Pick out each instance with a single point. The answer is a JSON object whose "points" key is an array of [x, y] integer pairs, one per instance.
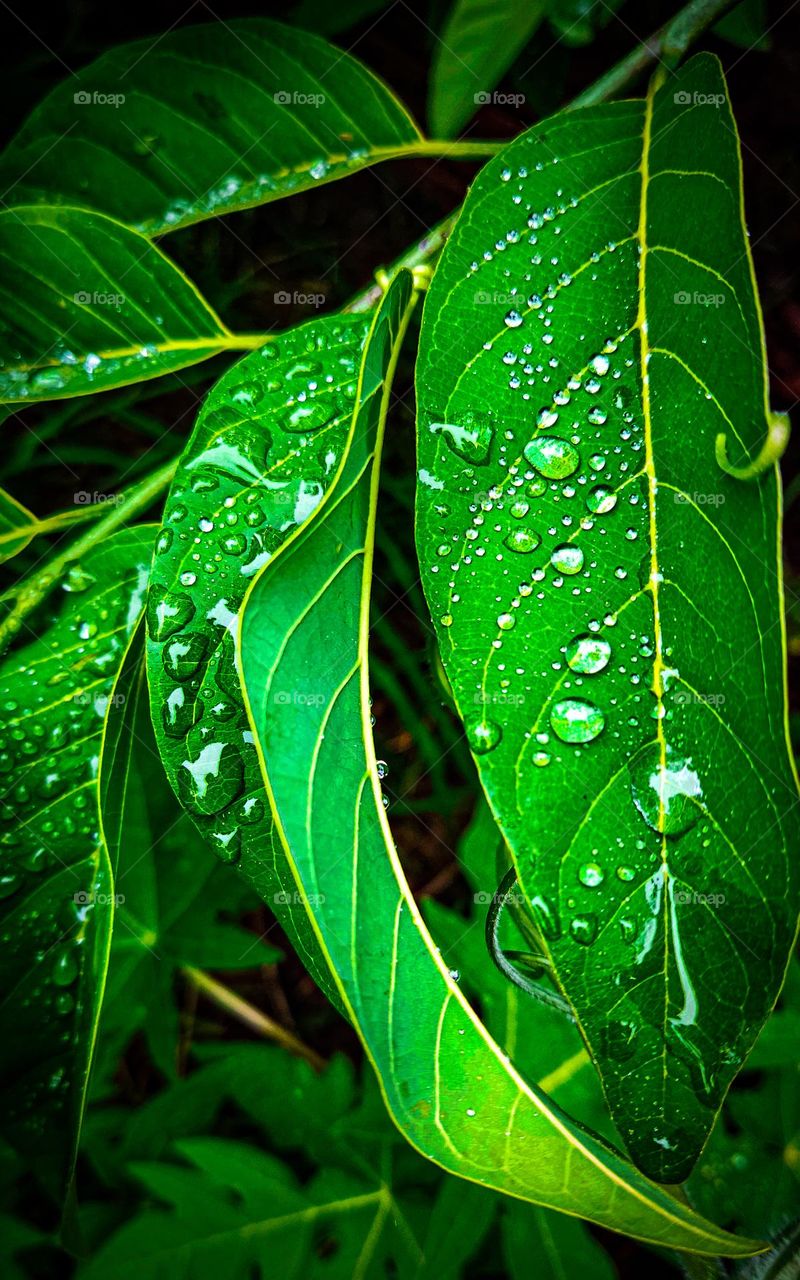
{"points": [[607, 599], [17, 526], [204, 121], [60, 693], [450, 1089], [86, 305], [265, 449]]}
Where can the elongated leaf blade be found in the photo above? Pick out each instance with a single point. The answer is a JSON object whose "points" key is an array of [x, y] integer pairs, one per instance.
{"points": [[607, 600], [203, 121], [449, 1088], [479, 42], [59, 693], [266, 448], [86, 305]]}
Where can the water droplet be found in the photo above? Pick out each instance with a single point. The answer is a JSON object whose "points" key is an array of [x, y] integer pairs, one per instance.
{"points": [[483, 735], [567, 558], [591, 875], [522, 540], [470, 440], [664, 791], [588, 654], [601, 499], [583, 929], [506, 621], [576, 721], [552, 457]]}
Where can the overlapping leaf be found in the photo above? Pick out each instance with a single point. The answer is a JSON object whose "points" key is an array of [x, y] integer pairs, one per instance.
{"points": [[203, 121], [448, 1086], [607, 599], [60, 691], [86, 304], [265, 449]]}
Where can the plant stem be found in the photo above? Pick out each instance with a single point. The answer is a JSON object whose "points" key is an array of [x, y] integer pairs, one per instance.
{"points": [[250, 1016], [667, 45]]}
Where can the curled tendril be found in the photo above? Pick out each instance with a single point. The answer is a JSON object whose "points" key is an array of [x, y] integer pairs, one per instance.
{"points": [[771, 450], [503, 959]]}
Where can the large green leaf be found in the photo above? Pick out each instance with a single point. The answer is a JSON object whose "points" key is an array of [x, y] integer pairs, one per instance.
{"points": [[607, 599], [203, 121], [86, 304], [479, 42], [61, 699], [450, 1089], [265, 449]]}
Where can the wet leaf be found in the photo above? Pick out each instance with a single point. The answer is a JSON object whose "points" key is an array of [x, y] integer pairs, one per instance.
{"points": [[203, 121], [450, 1089], [607, 600], [62, 697], [87, 304]]}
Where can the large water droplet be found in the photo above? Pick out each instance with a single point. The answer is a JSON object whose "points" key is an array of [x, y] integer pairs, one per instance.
{"points": [[567, 558], [470, 439], [588, 654], [522, 540], [576, 721], [664, 790], [483, 735], [552, 457]]}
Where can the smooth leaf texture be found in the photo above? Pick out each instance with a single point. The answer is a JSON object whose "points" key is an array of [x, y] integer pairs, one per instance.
{"points": [[607, 600], [203, 121], [59, 693], [265, 449], [86, 305], [478, 44], [451, 1091]]}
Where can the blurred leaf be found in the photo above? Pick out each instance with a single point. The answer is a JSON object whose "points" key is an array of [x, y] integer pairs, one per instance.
{"points": [[746, 26], [478, 44], [577, 22], [562, 1246], [17, 526], [203, 121], [67, 327]]}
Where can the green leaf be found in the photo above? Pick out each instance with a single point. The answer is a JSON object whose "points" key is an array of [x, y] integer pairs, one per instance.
{"points": [[265, 449], [451, 1091], [478, 44], [607, 599], [562, 1247], [17, 526], [87, 304], [59, 693], [203, 121]]}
